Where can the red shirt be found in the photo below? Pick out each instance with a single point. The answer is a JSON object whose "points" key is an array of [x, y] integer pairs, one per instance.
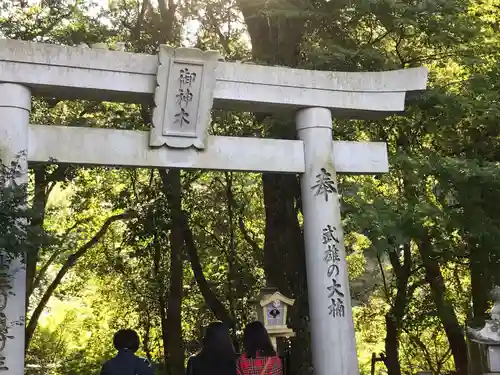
{"points": [[254, 366]]}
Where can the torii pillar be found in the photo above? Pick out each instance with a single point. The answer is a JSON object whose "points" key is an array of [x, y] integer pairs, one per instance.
{"points": [[332, 327], [15, 106]]}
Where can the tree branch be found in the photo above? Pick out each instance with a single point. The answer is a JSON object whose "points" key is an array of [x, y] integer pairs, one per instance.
{"points": [[253, 244], [211, 299], [70, 262], [40, 274], [420, 344], [384, 279]]}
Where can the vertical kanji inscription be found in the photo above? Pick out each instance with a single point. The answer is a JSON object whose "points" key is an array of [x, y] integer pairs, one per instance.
{"points": [[184, 96], [4, 295], [331, 257], [324, 184]]}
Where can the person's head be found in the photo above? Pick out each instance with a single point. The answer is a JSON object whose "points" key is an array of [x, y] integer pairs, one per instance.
{"points": [[126, 339], [217, 342], [256, 340]]}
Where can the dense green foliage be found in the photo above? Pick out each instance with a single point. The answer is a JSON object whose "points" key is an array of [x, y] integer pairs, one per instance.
{"points": [[165, 252]]}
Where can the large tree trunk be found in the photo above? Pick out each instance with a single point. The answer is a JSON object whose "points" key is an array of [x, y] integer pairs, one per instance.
{"points": [[231, 251], [39, 202], [282, 230], [391, 359], [276, 40], [162, 304], [445, 309], [284, 260], [395, 315], [175, 344], [480, 282]]}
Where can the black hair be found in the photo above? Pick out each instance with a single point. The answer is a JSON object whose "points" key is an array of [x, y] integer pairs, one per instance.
{"points": [[256, 341], [126, 339], [217, 343]]}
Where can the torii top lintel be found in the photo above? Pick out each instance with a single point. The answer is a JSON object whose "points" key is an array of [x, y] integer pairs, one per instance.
{"points": [[83, 73]]}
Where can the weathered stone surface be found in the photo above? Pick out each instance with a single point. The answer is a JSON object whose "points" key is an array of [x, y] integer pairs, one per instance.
{"points": [[15, 106], [490, 333], [184, 97], [91, 146], [71, 72], [332, 328]]}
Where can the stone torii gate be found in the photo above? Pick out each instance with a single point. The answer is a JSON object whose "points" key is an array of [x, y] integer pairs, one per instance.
{"points": [[185, 85]]}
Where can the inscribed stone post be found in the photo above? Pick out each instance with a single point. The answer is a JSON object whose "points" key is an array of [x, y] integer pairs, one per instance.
{"points": [[15, 106], [332, 328]]}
